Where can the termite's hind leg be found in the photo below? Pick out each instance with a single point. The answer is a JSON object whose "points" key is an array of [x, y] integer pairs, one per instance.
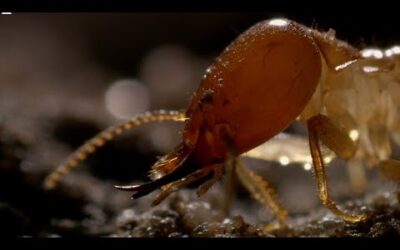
{"points": [[108, 135], [357, 176], [261, 191], [313, 125], [390, 169]]}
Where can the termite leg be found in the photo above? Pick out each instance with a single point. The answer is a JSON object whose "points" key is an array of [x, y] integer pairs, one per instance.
{"points": [[357, 176], [338, 140], [167, 189], [230, 181], [398, 192], [108, 135], [319, 169], [390, 169], [334, 136], [261, 191], [209, 183]]}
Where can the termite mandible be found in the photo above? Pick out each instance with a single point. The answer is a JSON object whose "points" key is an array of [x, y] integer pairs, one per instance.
{"points": [[276, 72]]}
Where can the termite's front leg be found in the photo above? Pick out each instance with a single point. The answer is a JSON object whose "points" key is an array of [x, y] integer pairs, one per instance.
{"points": [[230, 165], [318, 127], [261, 191]]}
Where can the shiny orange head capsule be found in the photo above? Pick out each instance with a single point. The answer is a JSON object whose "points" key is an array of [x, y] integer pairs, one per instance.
{"points": [[255, 89]]}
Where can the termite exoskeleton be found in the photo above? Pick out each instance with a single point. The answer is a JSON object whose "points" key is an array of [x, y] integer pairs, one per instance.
{"points": [[276, 72], [363, 99]]}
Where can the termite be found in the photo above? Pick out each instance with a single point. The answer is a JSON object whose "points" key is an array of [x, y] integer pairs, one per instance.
{"points": [[275, 73]]}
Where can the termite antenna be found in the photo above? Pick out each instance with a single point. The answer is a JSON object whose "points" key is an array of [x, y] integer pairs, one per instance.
{"points": [[108, 135]]}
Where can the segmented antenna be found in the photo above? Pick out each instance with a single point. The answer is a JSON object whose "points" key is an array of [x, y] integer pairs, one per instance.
{"points": [[108, 135]]}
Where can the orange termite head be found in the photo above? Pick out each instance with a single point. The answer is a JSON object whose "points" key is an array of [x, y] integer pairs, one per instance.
{"points": [[258, 86]]}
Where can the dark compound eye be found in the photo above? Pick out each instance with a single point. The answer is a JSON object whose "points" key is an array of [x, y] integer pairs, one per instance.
{"points": [[208, 97]]}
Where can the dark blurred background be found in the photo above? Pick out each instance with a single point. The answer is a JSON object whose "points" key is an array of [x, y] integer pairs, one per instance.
{"points": [[120, 41], [66, 76]]}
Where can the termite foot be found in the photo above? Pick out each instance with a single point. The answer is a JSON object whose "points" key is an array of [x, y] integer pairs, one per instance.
{"points": [[344, 215], [347, 217], [275, 228], [355, 219]]}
